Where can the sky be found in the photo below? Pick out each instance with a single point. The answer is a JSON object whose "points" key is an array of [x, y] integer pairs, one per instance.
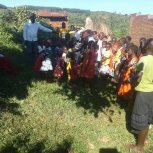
{"points": [[118, 6]]}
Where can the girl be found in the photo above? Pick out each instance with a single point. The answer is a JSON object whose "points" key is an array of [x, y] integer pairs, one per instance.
{"points": [[88, 67], [41, 49], [60, 67], [46, 66], [105, 69], [127, 85]]}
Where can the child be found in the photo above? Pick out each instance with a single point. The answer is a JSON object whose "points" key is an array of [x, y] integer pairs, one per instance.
{"points": [[103, 49], [88, 67], [115, 61], [126, 88], [99, 43], [46, 66], [105, 69], [41, 49], [60, 67], [41, 46]]}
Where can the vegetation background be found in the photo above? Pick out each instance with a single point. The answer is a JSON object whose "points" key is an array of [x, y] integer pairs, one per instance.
{"points": [[36, 117]]}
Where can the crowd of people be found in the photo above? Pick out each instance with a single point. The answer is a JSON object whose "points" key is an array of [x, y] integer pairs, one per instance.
{"points": [[82, 53], [87, 54]]}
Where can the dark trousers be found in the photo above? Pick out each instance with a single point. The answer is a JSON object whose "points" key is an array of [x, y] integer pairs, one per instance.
{"points": [[30, 53]]}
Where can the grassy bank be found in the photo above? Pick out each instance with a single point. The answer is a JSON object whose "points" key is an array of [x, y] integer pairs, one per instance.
{"points": [[36, 117]]}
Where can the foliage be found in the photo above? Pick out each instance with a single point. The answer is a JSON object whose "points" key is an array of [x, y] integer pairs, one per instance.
{"points": [[118, 23], [36, 117]]}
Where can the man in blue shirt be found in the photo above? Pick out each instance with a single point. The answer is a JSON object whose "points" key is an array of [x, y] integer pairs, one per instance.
{"points": [[30, 32]]}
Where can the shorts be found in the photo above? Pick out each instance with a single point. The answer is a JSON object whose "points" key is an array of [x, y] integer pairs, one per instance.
{"points": [[142, 114]]}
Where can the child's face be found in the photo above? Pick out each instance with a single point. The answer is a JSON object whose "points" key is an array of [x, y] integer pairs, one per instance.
{"points": [[108, 47], [115, 48], [104, 45], [129, 52], [48, 43], [64, 50]]}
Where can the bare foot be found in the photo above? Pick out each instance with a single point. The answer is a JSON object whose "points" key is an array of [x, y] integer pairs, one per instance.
{"points": [[135, 149]]}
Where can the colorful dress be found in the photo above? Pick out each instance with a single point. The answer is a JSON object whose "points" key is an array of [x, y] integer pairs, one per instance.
{"points": [[7, 65], [58, 72], [88, 67], [126, 84], [105, 68], [72, 70]]}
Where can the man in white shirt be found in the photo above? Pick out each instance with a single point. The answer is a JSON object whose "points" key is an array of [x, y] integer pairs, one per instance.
{"points": [[30, 32]]}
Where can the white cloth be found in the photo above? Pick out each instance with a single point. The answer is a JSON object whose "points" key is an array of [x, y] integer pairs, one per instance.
{"points": [[41, 48], [64, 57], [77, 36], [91, 39], [46, 65], [103, 51], [105, 69], [30, 31], [1, 55], [99, 56]]}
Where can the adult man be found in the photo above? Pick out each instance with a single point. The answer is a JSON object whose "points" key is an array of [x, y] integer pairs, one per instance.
{"points": [[30, 32], [142, 115], [63, 31]]}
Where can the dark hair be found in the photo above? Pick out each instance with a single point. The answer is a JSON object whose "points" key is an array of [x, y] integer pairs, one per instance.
{"points": [[133, 47], [114, 39], [128, 38], [104, 42], [63, 25], [33, 15], [92, 44], [109, 44], [147, 43]]}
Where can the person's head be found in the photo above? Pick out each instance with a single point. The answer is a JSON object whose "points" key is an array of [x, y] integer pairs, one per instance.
{"points": [[108, 46], [91, 44], [128, 39], [101, 35], [72, 28], [148, 47], [142, 42], [89, 33], [132, 50], [95, 35], [114, 39], [64, 49], [63, 25], [104, 43], [122, 41], [33, 17], [115, 47], [48, 42]]}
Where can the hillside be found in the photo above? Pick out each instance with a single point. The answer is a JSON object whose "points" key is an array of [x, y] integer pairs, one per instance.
{"points": [[40, 117], [118, 23]]}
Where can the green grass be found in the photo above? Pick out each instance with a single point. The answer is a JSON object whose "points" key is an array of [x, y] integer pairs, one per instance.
{"points": [[36, 117]]}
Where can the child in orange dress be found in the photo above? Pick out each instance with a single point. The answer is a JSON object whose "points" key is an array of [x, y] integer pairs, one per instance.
{"points": [[127, 86]]}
